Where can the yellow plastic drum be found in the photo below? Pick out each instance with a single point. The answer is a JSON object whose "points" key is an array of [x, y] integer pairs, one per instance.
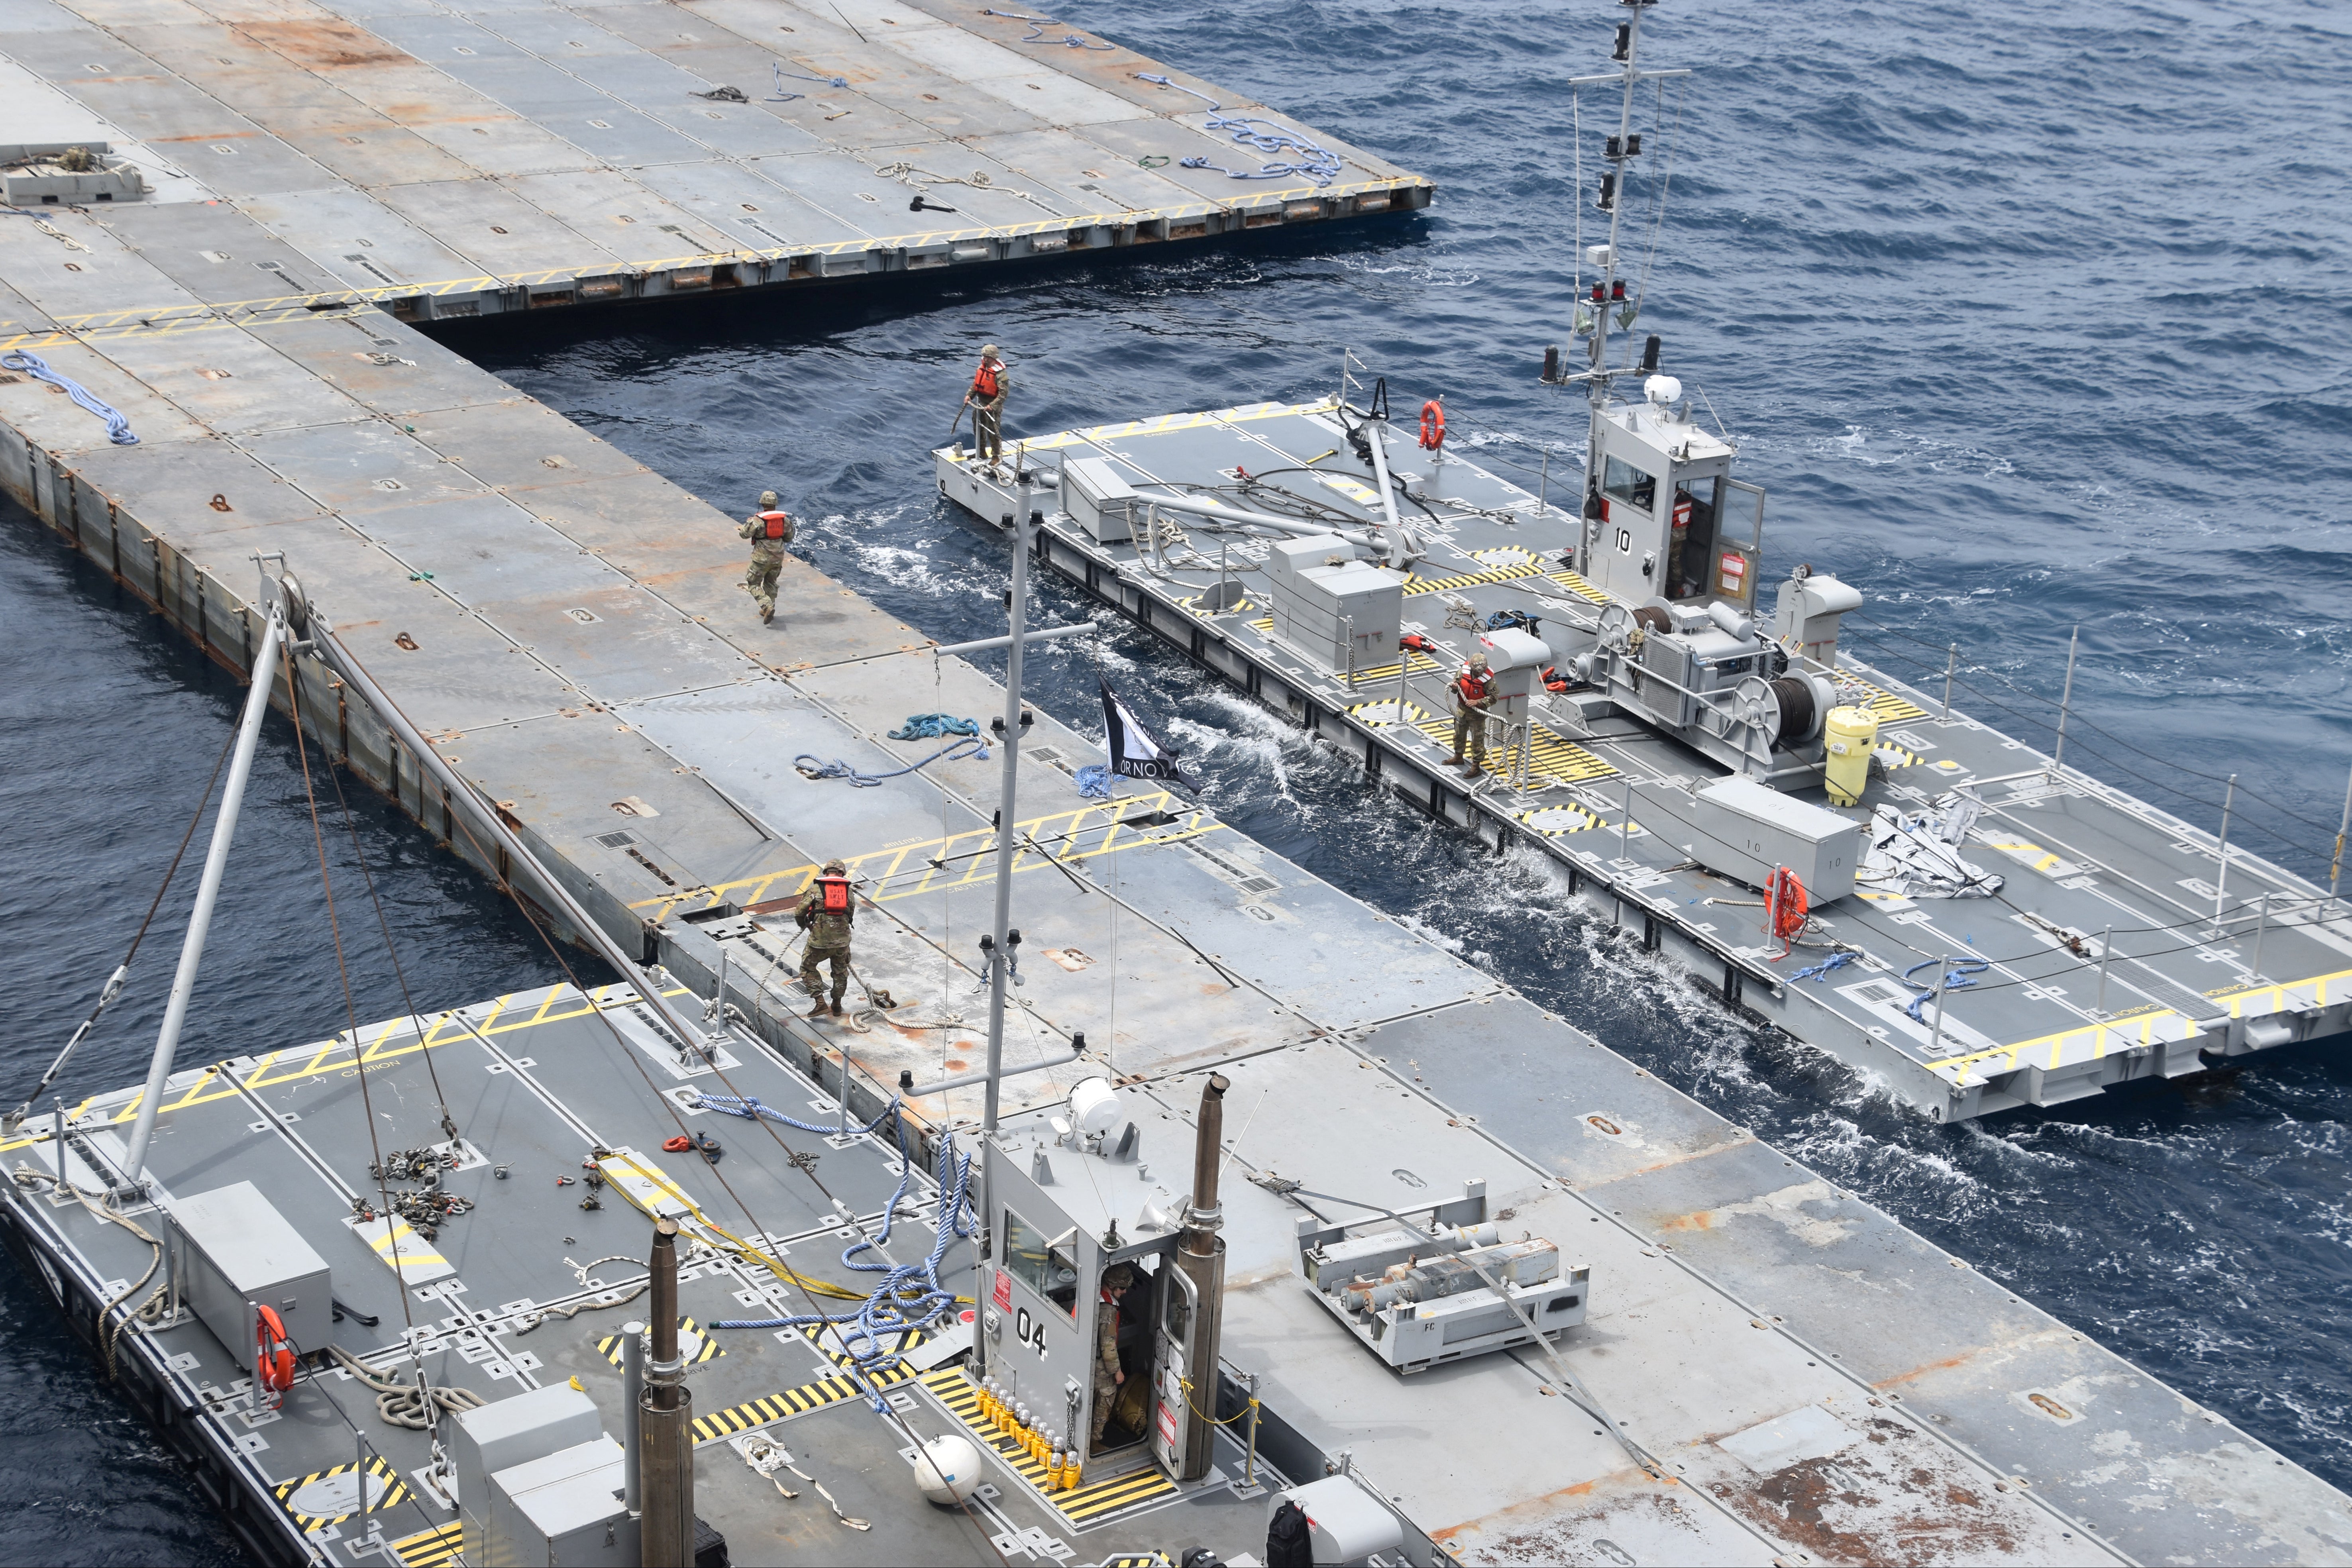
{"points": [[1852, 734]]}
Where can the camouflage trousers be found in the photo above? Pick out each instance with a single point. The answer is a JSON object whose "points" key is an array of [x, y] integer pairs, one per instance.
{"points": [[762, 580], [814, 982]]}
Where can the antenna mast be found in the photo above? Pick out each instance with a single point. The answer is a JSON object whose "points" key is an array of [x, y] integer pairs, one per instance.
{"points": [[1619, 153]]}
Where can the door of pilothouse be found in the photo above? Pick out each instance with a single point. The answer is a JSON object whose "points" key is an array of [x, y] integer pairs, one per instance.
{"points": [[1172, 1356]]}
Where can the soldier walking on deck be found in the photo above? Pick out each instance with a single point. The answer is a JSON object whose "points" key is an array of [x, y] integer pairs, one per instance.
{"points": [[1116, 1282], [1473, 693], [825, 912], [986, 400], [768, 530]]}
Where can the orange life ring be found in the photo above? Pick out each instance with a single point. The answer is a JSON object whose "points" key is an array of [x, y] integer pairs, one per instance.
{"points": [[1433, 425], [1785, 908], [273, 1365]]}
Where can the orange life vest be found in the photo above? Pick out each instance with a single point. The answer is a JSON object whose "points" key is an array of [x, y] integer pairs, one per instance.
{"points": [[779, 523], [984, 383], [1472, 685]]}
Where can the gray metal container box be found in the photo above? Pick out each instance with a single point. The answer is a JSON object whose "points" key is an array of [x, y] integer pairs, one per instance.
{"points": [[510, 1432], [1742, 829], [1287, 558], [566, 1508], [1333, 611], [239, 1253], [1346, 1524], [1099, 499]]}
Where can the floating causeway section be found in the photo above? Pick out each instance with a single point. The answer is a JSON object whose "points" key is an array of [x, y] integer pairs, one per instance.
{"points": [[2205, 962], [570, 632], [440, 163]]}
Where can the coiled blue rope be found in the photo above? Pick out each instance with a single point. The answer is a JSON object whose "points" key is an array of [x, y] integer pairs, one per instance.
{"points": [[931, 726], [803, 76], [1815, 972], [1320, 166], [910, 1297], [1960, 974], [118, 424], [1094, 781], [809, 767], [1037, 26]]}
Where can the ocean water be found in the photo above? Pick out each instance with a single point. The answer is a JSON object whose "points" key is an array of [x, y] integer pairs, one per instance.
{"points": [[2030, 319]]}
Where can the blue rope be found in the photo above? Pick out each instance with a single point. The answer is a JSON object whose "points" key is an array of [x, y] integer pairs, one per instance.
{"points": [[1094, 781], [931, 726], [810, 768], [1959, 977], [910, 1297], [1815, 972], [1321, 166], [1037, 26], [118, 424]]}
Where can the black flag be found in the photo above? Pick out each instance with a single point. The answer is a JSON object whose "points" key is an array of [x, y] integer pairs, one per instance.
{"points": [[1135, 751]]}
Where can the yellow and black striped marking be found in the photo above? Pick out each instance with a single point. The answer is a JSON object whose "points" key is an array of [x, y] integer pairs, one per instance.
{"points": [[1563, 762], [1135, 1560], [395, 1491], [1192, 603], [1891, 709], [1089, 1504], [899, 1343], [808, 1396], [1382, 713], [431, 1548], [1551, 821], [1262, 626], [1891, 756], [1576, 585], [609, 1347], [1422, 665], [1415, 585]]}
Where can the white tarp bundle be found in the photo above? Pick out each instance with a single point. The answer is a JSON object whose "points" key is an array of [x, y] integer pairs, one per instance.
{"points": [[1916, 855]]}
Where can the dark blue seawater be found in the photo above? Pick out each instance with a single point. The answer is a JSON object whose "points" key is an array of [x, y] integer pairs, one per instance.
{"points": [[2030, 317]]}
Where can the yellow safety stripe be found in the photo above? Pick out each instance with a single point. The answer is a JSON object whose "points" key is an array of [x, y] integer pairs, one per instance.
{"points": [[395, 1493], [923, 866], [2143, 1028], [792, 1402], [1086, 1505], [275, 1068], [431, 1548]]}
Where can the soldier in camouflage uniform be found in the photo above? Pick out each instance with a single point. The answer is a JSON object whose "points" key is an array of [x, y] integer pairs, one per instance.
{"points": [[768, 530], [825, 912], [1116, 1281]]}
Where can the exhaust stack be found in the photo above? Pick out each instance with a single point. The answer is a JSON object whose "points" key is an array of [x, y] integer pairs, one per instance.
{"points": [[1202, 1258]]}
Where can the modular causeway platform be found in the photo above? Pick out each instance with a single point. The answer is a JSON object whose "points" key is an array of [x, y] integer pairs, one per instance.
{"points": [[2119, 947], [569, 633]]}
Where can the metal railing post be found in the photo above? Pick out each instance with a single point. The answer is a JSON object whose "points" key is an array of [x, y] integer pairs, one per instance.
{"points": [[2065, 700], [2221, 877], [2336, 866], [2106, 951], [1951, 668], [2261, 926]]}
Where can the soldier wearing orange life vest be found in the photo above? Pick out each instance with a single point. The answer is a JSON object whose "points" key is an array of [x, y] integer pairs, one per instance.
{"points": [[825, 912], [768, 530], [1473, 693], [986, 400]]}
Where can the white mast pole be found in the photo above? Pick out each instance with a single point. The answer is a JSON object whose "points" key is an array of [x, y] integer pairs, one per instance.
{"points": [[192, 949]]}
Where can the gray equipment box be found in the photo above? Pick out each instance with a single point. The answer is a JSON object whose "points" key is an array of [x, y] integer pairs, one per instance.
{"points": [[1739, 829], [237, 1253], [506, 1432], [1337, 615], [1100, 501], [1345, 1523], [568, 1507], [35, 178]]}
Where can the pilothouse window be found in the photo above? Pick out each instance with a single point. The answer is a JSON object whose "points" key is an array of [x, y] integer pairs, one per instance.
{"points": [[1622, 481], [1042, 1263]]}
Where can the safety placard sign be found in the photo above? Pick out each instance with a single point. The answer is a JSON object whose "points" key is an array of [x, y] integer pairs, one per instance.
{"points": [[1003, 1292]]}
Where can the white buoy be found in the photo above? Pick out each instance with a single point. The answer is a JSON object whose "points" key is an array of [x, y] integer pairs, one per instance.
{"points": [[947, 1468]]}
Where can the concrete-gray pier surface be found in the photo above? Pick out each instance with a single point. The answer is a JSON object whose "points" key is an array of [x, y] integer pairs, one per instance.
{"points": [[450, 163]]}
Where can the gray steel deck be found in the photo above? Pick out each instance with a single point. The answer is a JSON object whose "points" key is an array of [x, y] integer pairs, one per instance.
{"points": [[441, 164], [571, 631], [2078, 856]]}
